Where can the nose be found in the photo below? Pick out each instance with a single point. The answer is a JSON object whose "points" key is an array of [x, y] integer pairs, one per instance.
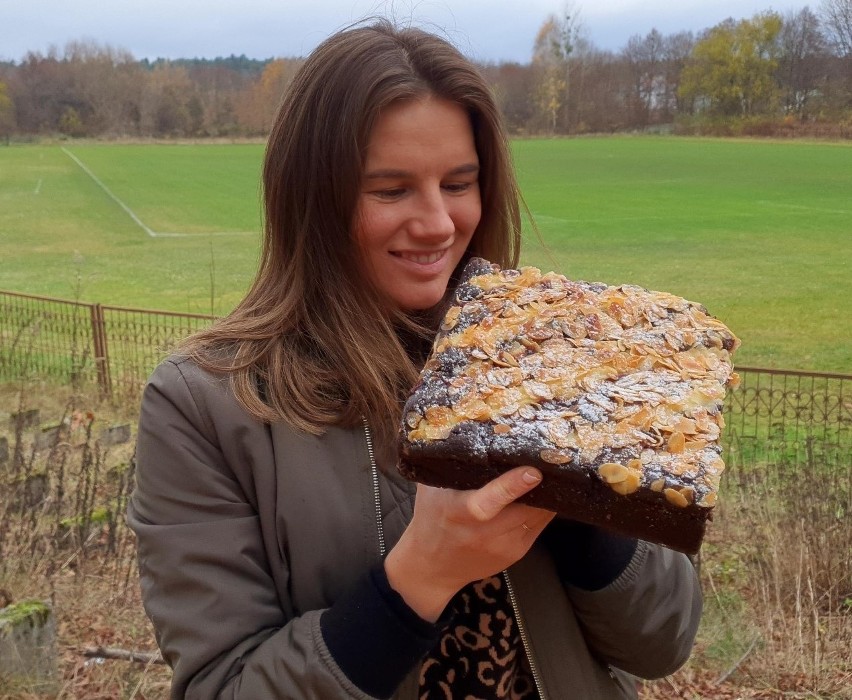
{"points": [[433, 218]]}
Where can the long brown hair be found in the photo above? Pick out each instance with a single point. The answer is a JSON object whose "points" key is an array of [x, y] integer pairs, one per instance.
{"points": [[314, 343]]}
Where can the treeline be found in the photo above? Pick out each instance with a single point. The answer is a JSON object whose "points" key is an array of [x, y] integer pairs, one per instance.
{"points": [[766, 74]]}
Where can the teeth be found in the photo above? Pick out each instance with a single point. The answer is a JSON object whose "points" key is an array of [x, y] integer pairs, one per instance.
{"points": [[423, 258]]}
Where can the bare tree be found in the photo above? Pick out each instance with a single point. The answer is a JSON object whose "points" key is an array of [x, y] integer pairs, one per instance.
{"points": [[40, 90], [801, 60], [260, 100], [220, 91], [677, 49], [105, 83], [511, 84], [836, 16], [643, 57], [7, 112], [600, 108], [163, 108]]}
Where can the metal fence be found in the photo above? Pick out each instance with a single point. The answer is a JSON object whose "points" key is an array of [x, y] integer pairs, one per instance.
{"points": [[789, 417], [117, 347], [790, 406], [112, 346]]}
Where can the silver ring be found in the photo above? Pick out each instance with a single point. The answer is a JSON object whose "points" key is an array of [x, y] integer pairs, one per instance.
{"points": [[526, 527]]}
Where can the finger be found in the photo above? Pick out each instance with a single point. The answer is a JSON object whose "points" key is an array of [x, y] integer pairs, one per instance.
{"points": [[486, 502]]}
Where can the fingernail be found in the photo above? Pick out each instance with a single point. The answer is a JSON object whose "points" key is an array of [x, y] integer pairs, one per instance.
{"points": [[532, 477]]}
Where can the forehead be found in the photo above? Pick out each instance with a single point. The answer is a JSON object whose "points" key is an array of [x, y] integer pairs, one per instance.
{"points": [[428, 126]]}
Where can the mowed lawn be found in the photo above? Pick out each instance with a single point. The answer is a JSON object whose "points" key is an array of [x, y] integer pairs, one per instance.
{"points": [[760, 232]]}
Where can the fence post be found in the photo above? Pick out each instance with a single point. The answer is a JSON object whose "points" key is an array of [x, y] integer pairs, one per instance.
{"points": [[101, 350]]}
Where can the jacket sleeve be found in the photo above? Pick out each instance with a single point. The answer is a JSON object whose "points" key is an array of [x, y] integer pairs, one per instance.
{"points": [[644, 622], [218, 616]]}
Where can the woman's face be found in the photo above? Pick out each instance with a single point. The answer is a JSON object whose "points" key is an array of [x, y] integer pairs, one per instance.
{"points": [[419, 203]]}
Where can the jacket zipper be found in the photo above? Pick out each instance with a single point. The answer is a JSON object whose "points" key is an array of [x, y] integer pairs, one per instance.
{"points": [[539, 685], [377, 497]]}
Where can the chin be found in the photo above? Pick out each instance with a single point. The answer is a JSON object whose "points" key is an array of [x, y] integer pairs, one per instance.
{"points": [[419, 297], [421, 303]]}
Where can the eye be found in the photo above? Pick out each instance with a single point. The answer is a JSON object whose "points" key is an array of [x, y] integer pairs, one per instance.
{"points": [[389, 193], [457, 187]]}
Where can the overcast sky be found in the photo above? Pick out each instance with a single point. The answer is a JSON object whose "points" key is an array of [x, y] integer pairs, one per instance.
{"points": [[489, 30]]}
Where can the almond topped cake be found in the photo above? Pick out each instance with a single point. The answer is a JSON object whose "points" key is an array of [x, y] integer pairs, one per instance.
{"points": [[614, 392]]}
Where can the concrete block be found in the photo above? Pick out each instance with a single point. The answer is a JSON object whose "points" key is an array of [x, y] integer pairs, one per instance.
{"points": [[47, 437], [25, 419], [115, 435], [29, 492], [28, 656]]}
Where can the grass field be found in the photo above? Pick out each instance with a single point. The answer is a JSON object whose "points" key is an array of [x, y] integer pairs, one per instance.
{"points": [[760, 232]]}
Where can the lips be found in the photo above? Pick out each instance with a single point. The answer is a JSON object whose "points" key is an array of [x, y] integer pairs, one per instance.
{"points": [[421, 258]]}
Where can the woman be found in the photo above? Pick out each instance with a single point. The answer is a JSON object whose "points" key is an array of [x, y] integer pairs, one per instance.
{"points": [[281, 554]]}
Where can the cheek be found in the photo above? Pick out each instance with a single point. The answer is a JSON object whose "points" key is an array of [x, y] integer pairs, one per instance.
{"points": [[372, 228], [370, 238], [470, 218]]}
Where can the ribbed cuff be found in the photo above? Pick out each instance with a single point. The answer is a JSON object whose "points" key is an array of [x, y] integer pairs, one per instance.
{"points": [[586, 556], [374, 636]]}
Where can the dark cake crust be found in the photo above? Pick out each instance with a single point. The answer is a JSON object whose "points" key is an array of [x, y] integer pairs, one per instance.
{"points": [[613, 392]]}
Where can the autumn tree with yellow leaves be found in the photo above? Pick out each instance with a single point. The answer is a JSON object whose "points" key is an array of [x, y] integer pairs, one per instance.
{"points": [[731, 71]]}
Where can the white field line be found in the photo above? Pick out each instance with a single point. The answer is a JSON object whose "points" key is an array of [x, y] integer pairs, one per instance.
{"points": [[37, 189], [136, 219]]}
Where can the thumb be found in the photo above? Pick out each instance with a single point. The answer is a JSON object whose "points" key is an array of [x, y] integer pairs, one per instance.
{"points": [[487, 502]]}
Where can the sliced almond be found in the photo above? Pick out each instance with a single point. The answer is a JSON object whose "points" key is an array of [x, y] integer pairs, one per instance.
{"points": [[502, 429], [529, 343], [473, 409], [554, 457], [642, 418], [658, 485], [708, 500], [629, 485], [538, 390], [675, 497], [412, 419], [613, 473], [505, 359], [451, 319], [437, 432], [677, 441], [562, 433], [439, 415]]}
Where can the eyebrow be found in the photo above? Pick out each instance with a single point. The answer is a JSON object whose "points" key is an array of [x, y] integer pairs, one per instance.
{"points": [[390, 173]]}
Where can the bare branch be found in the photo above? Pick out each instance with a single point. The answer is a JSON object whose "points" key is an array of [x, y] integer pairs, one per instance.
{"points": [[139, 657]]}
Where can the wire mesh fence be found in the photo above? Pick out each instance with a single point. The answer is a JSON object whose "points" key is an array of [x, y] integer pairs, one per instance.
{"points": [[789, 413], [68, 341], [117, 348]]}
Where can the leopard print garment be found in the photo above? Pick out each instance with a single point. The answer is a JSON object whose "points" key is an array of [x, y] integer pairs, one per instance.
{"points": [[480, 656]]}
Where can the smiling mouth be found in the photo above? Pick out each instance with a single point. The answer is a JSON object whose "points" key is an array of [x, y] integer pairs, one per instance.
{"points": [[421, 258]]}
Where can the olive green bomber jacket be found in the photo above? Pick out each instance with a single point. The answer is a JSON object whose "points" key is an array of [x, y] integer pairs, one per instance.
{"points": [[248, 531]]}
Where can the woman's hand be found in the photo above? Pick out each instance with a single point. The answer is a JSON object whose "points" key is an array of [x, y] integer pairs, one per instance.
{"points": [[456, 537]]}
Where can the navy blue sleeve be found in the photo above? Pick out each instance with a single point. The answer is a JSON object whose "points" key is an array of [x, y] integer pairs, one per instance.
{"points": [[375, 637], [586, 556]]}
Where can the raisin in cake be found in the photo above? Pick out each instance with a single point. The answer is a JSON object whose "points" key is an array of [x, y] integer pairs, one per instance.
{"points": [[615, 393]]}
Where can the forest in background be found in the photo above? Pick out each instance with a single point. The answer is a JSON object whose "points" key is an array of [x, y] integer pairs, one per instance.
{"points": [[772, 74]]}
